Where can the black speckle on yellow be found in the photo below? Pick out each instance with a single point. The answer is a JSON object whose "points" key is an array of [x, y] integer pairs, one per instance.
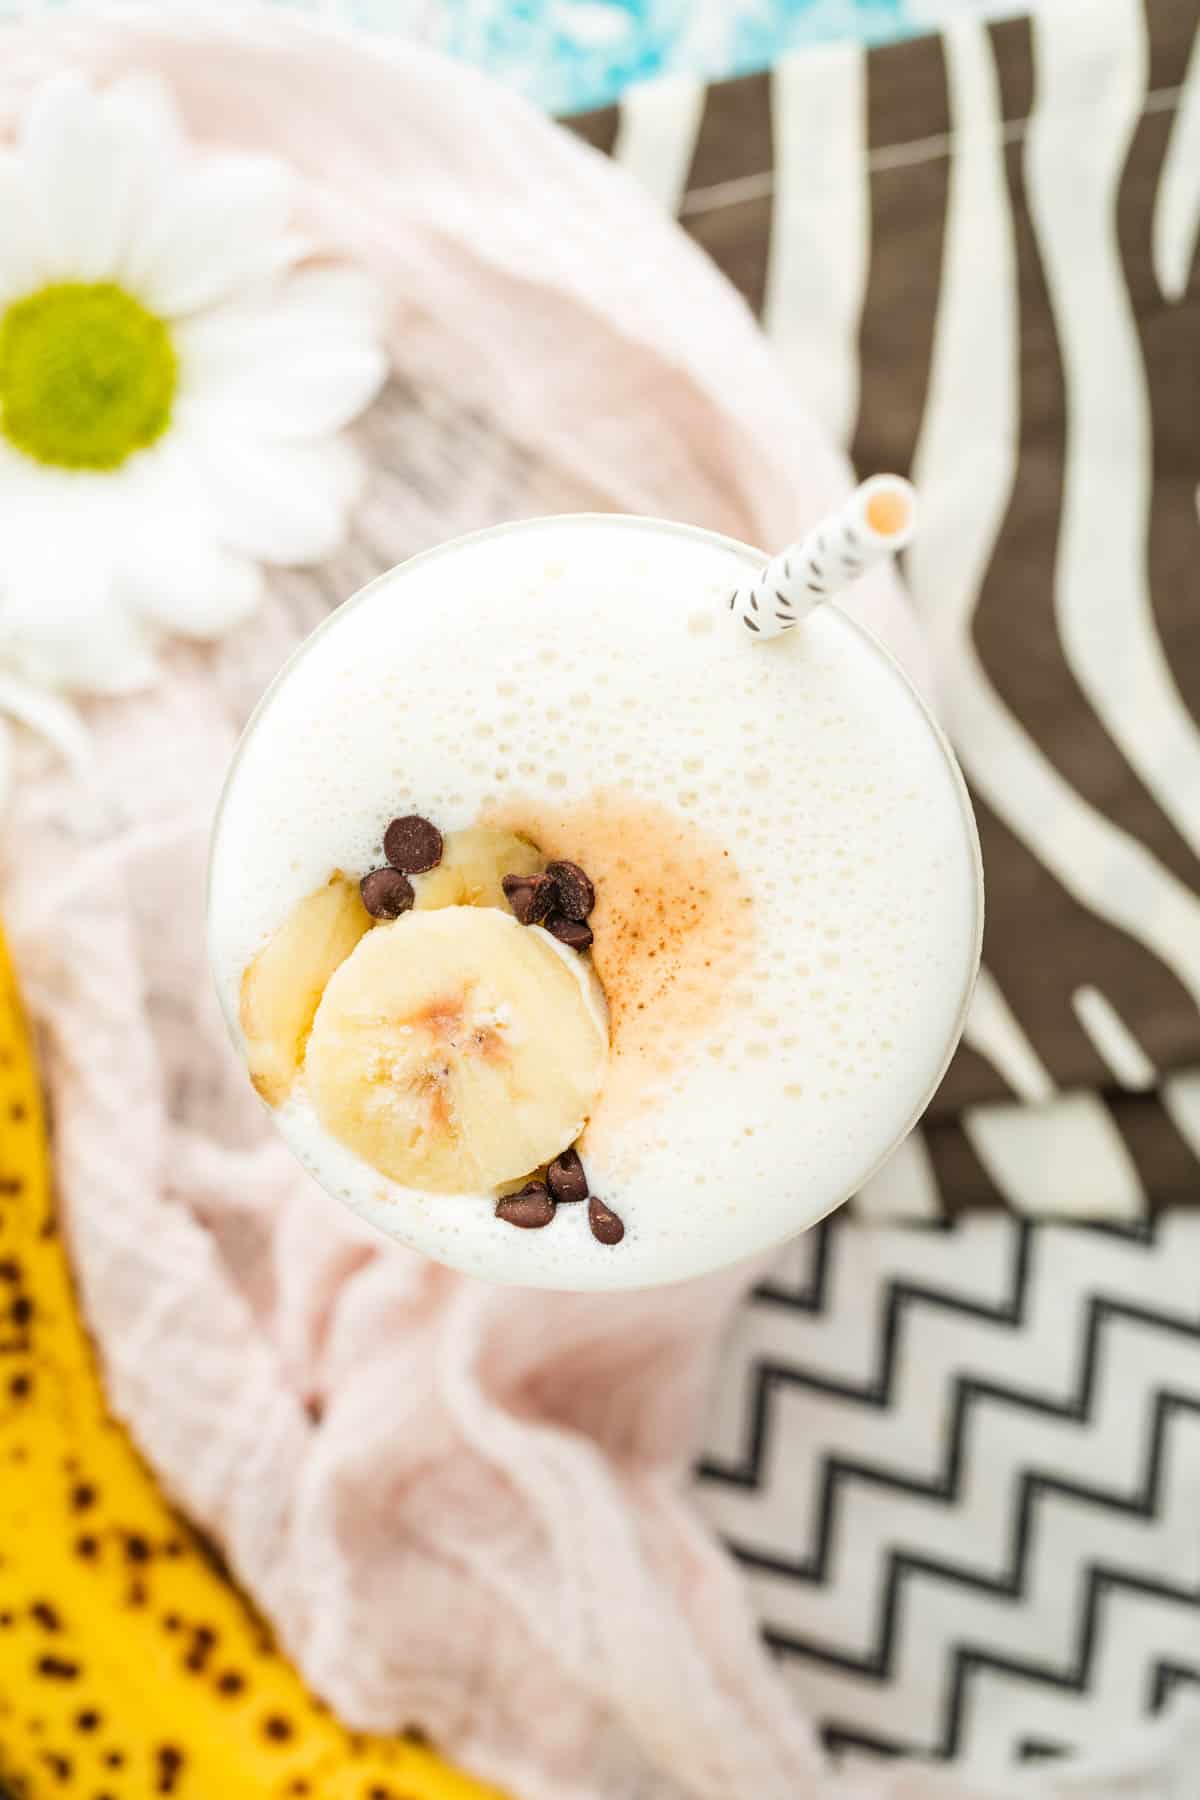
{"points": [[83, 1496], [21, 1310], [137, 1548], [173, 1548], [6, 1620], [277, 1728], [88, 1720], [204, 1639], [57, 1668], [10, 1270], [45, 1615], [87, 1547], [137, 1594], [170, 1761], [18, 1111], [172, 1622], [20, 1386], [114, 1759], [299, 1786], [230, 1682], [59, 1766]]}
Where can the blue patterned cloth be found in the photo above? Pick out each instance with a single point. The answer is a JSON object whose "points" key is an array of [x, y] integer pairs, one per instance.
{"points": [[572, 54]]}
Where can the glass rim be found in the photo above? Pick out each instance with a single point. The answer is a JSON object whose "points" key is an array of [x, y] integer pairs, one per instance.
{"points": [[755, 558]]}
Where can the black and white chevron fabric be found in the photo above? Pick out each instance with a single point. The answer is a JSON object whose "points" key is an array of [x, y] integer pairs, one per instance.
{"points": [[960, 1467]]}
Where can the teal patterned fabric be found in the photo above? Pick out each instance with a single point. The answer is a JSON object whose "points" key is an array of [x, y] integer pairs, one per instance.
{"points": [[573, 54], [569, 55]]}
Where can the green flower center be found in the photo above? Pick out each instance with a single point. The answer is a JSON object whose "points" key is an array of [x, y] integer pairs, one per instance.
{"points": [[87, 375]]}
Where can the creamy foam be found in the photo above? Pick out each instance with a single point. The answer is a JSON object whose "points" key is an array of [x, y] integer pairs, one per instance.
{"points": [[580, 678]]}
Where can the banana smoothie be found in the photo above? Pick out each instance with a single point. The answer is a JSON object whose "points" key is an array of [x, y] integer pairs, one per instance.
{"points": [[573, 936]]}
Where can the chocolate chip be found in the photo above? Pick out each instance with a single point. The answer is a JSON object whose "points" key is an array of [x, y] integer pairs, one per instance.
{"points": [[606, 1226], [530, 1209], [566, 1178], [532, 897], [576, 895], [386, 893], [571, 932], [413, 845]]}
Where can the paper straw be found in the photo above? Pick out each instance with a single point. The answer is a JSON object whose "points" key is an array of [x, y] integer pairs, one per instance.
{"points": [[877, 520]]}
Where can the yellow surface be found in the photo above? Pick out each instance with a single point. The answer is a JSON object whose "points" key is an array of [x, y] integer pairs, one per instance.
{"points": [[130, 1667]]}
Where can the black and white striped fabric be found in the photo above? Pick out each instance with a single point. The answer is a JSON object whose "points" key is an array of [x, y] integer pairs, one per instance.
{"points": [[975, 255]]}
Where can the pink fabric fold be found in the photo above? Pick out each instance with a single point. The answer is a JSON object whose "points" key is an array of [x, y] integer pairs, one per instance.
{"points": [[463, 1507]]}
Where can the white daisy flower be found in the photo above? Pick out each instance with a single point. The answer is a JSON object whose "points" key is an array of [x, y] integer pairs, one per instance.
{"points": [[173, 382]]}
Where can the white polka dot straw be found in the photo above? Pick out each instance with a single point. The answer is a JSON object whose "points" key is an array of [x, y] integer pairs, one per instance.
{"points": [[878, 519]]}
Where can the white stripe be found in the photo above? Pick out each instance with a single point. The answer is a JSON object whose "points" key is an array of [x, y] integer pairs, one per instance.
{"points": [[1091, 77], [1067, 1158], [964, 466], [1112, 1039], [820, 228], [1181, 1098], [657, 128], [904, 1188], [993, 1031], [1177, 203]]}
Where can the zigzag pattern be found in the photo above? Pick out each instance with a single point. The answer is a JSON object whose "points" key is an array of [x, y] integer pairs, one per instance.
{"points": [[910, 1549]]}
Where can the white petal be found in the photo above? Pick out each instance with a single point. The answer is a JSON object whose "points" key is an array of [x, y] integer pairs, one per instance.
{"points": [[301, 365], [310, 393], [221, 229], [180, 581], [24, 264], [333, 297], [26, 484], [142, 115], [283, 503], [59, 623], [312, 307], [82, 173], [144, 106]]}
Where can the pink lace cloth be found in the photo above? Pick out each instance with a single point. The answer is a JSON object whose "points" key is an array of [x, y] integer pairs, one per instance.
{"points": [[461, 1506]]}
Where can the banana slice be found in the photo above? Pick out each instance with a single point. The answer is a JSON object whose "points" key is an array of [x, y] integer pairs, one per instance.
{"points": [[473, 863], [282, 987], [456, 1050]]}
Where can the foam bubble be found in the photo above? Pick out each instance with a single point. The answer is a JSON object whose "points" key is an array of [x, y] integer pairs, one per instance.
{"points": [[807, 762]]}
